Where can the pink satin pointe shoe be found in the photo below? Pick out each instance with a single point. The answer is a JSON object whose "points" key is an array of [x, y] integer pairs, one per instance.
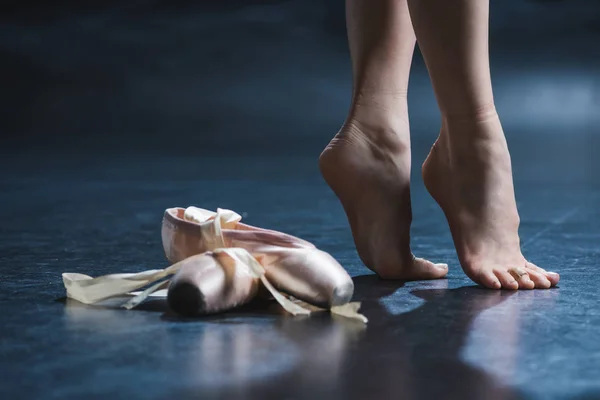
{"points": [[292, 265], [209, 283], [220, 263]]}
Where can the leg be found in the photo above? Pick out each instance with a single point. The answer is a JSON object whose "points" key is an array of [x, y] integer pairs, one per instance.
{"points": [[367, 164], [468, 171]]}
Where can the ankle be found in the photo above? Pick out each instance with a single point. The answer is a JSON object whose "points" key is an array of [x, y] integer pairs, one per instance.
{"points": [[389, 109], [484, 113], [381, 135], [382, 118], [480, 124]]}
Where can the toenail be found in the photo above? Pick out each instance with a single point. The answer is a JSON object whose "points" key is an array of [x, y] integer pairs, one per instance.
{"points": [[442, 266], [552, 273], [518, 273]]}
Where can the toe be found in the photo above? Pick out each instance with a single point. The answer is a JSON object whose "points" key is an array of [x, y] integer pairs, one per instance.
{"points": [[412, 270], [425, 269], [489, 280], [553, 277], [539, 279], [506, 280], [522, 277]]}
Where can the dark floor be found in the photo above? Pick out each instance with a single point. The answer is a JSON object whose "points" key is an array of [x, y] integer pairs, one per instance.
{"points": [[112, 114], [443, 339]]}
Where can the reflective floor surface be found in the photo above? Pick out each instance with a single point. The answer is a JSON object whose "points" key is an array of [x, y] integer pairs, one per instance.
{"points": [[440, 339]]}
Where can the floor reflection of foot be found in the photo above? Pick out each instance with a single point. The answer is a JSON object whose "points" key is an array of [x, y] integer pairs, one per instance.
{"points": [[404, 351], [369, 171], [496, 341], [468, 172], [467, 301]]}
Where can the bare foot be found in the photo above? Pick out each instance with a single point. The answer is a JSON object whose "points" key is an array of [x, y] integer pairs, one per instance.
{"points": [[468, 172], [369, 170]]}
